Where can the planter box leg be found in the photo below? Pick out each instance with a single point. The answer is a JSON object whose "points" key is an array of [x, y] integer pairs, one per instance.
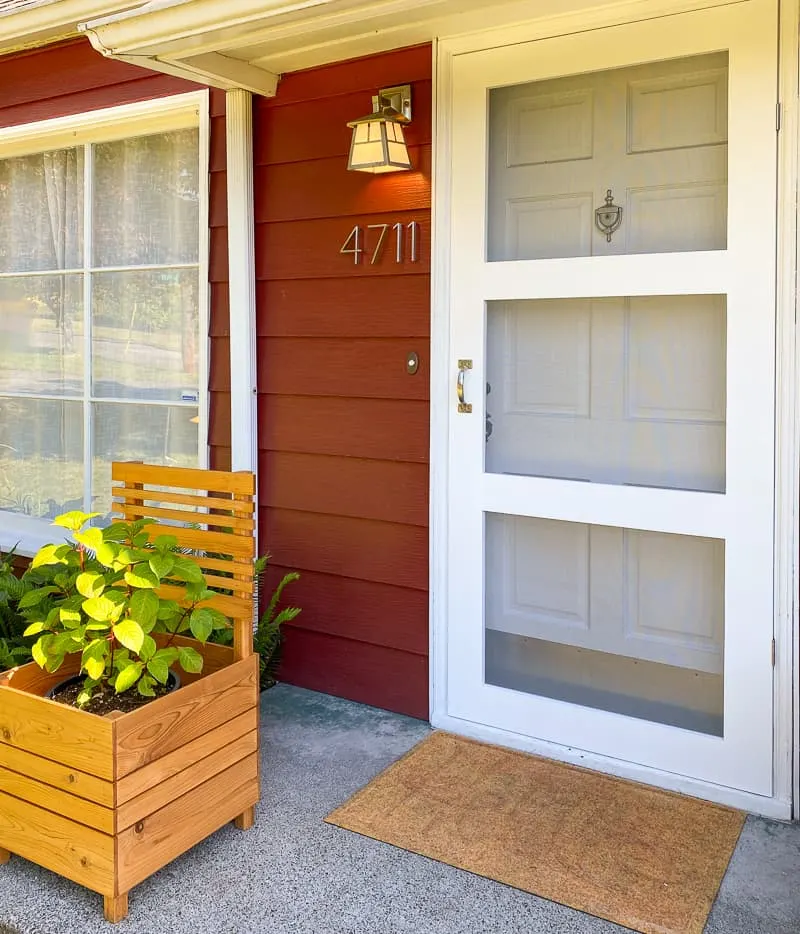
{"points": [[5, 856], [246, 820], [115, 907]]}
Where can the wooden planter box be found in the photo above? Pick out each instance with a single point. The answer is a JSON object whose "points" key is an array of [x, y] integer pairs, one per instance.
{"points": [[107, 801]]}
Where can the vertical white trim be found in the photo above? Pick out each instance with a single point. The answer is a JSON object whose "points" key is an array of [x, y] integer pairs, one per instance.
{"points": [[440, 385], [203, 285], [88, 356], [242, 278], [787, 536]]}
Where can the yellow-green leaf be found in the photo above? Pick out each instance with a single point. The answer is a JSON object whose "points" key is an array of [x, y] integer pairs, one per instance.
{"points": [[95, 668], [102, 609], [91, 538], [90, 583], [141, 577], [74, 520], [50, 554], [128, 677], [130, 634]]}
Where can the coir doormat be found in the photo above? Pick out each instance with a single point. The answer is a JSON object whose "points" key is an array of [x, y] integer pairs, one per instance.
{"points": [[643, 858]]}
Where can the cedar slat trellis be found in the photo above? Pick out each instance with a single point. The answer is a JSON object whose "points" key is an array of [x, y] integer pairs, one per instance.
{"points": [[107, 801]]}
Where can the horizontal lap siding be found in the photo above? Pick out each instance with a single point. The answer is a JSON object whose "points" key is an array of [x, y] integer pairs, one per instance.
{"points": [[343, 429], [71, 78]]}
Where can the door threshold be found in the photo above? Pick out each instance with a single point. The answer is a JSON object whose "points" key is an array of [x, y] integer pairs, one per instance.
{"points": [[775, 808]]}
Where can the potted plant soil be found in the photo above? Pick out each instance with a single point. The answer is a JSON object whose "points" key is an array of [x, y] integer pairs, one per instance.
{"points": [[130, 737]]}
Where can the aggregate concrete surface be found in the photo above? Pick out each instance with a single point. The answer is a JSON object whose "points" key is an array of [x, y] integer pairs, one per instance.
{"points": [[293, 873]]}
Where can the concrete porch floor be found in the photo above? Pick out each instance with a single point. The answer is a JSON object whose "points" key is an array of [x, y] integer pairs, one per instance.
{"points": [[293, 873]]}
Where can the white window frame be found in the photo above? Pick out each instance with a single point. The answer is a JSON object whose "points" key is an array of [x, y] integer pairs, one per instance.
{"points": [[160, 115]]}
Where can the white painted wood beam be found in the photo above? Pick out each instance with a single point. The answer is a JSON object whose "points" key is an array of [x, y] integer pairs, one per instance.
{"points": [[241, 279], [232, 73]]}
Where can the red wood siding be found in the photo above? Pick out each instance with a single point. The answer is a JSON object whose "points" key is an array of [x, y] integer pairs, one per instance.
{"points": [[72, 78], [343, 429]]}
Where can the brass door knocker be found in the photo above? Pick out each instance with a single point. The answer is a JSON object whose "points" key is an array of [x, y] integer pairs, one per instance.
{"points": [[608, 218]]}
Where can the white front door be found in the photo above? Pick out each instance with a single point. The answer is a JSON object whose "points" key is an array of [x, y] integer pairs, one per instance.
{"points": [[611, 450]]}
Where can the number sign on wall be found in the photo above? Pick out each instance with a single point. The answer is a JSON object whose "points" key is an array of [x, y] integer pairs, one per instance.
{"points": [[371, 241]]}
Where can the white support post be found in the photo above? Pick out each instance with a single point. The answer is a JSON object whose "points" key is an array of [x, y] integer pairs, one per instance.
{"points": [[242, 279]]}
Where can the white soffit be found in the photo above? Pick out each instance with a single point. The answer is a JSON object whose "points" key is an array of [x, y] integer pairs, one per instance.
{"points": [[248, 43]]}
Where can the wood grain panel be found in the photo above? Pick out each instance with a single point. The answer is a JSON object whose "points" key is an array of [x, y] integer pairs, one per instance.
{"points": [[381, 614], [389, 429], [30, 76], [343, 428], [221, 457], [218, 199], [193, 478], [145, 735], [132, 787], [358, 548], [306, 190], [283, 132], [367, 369], [166, 790], [76, 852], [219, 421], [310, 249], [366, 73], [186, 821], [43, 794], [57, 776], [217, 156], [220, 302], [218, 255], [80, 740], [369, 674], [131, 92], [349, 486], [386, 306]]}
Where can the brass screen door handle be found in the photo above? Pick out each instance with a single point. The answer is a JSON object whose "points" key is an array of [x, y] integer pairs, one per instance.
{"points": [[463, 407]]}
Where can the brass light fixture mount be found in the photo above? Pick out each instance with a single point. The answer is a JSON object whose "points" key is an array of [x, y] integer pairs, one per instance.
{"points": [[378, 143], [396, 100]]}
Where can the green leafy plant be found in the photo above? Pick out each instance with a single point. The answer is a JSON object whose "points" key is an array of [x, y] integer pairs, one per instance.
{"points": [[268, 637], [99, 597], [15, 649]]}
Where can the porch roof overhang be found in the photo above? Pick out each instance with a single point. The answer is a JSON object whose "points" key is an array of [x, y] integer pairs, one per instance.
{"points": [[249, 44]]}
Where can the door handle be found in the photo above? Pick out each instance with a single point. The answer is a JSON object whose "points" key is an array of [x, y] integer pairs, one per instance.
{"points": [[464, 407]]}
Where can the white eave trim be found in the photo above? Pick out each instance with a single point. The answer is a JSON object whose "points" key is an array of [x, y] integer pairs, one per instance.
{"points": [[41, 24]]}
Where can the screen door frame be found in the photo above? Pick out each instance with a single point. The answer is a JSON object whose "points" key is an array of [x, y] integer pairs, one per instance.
{"points": [[443, 356]]}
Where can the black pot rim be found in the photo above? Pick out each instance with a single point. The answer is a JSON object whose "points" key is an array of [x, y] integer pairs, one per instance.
{"points": [[173, 683]]}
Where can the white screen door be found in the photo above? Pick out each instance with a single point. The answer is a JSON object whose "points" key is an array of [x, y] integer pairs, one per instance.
{"points": [[610, 510]]}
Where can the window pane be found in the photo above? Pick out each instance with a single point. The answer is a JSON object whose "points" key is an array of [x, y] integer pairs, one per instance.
{"points": [[612, 390], [145, 203], [653, 137], [41, 211], [145, 335], [155, 434], [41, 335], [615, 619], [41, 456]]}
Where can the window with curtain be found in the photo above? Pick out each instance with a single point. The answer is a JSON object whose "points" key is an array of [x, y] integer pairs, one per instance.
{"points": [[100, 298]]}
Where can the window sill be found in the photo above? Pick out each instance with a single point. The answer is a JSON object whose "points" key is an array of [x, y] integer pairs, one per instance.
{"points": [[25, 534]]}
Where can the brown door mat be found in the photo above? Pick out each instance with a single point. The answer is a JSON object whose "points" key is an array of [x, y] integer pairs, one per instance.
{"points": [[646, 859]]}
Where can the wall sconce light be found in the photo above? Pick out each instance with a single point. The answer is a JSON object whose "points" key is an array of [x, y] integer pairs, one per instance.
{"points": [[378, 143]]}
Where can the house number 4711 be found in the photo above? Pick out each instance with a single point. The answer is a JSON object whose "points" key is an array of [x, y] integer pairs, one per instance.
{"points": [[356, 243]]}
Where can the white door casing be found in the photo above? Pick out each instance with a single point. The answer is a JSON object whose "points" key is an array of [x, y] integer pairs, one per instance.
{"points": [[733, 528]]}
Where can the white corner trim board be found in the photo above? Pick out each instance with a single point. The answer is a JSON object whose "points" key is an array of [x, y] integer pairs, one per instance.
{"points": [[242, 281]]}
